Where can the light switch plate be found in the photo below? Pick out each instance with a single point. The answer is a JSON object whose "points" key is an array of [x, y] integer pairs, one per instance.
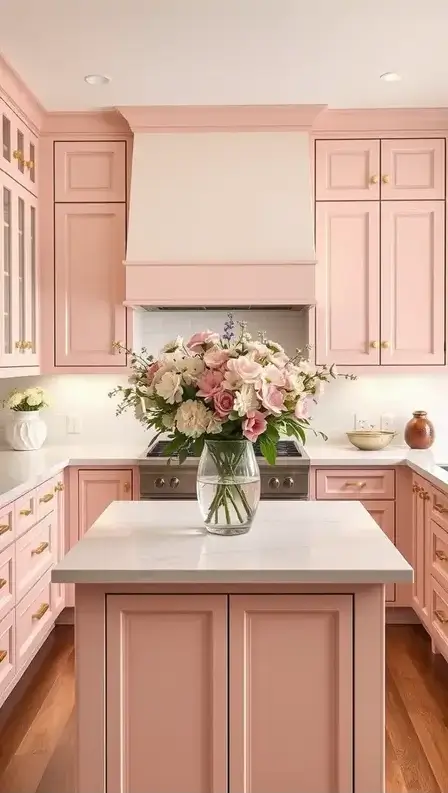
{"points": [[74, 425], [387, 422]]}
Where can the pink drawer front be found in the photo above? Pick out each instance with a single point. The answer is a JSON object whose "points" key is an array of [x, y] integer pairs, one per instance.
{"points": [[7, 572], [439, 615], [7, 653], [34, 615], [36, 551], [46, 497], [355, 484], [438, 502], [7, 526], [439, 553], [26, 512]]}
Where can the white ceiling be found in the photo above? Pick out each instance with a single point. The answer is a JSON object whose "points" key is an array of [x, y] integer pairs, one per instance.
{"points": [[229, 51]]}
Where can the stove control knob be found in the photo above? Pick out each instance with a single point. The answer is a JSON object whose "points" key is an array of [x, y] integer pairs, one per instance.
{"points": [[288, 482], [174, 482], [274, 483], [159, 482]]}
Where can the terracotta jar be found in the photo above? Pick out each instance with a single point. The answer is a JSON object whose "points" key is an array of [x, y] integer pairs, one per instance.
{"points": [[419, 431]]}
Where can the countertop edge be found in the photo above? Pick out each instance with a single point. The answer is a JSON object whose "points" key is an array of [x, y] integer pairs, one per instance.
{"points": [[352, 578]]}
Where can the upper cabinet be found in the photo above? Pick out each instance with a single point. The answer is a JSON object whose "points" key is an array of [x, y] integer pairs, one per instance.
{"points": [[93, 171], [18, 154], [369, 170]]}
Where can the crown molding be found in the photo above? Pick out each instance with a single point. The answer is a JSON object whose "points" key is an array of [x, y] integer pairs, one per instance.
{"points": [[382, 119], [19, 97], [85, 122]]}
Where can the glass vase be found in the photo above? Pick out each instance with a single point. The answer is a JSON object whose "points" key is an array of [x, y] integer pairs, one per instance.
{"points": [[228, 486]]}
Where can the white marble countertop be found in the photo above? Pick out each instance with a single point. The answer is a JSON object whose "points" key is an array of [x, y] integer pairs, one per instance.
{"points": [[297, 542]]}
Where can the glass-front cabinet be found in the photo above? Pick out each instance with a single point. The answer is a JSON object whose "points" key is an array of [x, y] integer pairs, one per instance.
{"points": [[18, 292], [18, 149]]}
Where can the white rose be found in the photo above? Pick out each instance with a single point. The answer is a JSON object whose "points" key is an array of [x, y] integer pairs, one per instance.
{"points": [[169, 387], [245, 400], [192, 418], [15, 399], [33, 400]]}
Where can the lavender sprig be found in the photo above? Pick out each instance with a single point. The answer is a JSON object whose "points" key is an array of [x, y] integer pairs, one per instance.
{"points": [[229, 327]]}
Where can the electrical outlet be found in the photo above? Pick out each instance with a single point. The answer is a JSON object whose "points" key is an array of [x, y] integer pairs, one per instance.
{"points": [[361, 423], [387, 422], [74, 425]]}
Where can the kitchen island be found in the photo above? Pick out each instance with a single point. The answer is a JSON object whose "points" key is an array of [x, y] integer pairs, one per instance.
{"points": [[250, 664]]}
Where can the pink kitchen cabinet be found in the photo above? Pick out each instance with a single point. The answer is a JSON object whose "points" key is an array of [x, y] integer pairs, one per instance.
{"points": [[348, 283], [347, 170], [412, 283], [96, 490], [90, 171], [383, 513], [89, 285], [18, 153], [413, 169], [166, 694]]}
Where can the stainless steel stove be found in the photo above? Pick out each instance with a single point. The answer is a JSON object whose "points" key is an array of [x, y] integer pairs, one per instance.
{"points": [[287, 479]]}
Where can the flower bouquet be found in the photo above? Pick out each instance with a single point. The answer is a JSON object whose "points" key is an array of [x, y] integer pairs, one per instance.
{"points": [[215, 396], [27, 430]]}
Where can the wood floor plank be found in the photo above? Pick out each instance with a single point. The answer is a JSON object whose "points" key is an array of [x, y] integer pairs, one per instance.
{"points": [[395, 782], [60, 772]]}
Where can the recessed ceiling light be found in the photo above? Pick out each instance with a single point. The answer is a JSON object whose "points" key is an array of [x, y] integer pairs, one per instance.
{"points": [[96, 79], [391, 77]]}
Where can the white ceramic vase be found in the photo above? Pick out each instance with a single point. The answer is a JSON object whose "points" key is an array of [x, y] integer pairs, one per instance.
{"points": [[26, 431]]}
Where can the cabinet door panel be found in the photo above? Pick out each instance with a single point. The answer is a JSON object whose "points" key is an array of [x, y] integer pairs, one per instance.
{"points": [[90, 171], [18, 149], [383, 513], [166, 697], [97, 489], [347, 278], [413, 169], [412, 283], [347, 170], [89, 284], [280, 739]]}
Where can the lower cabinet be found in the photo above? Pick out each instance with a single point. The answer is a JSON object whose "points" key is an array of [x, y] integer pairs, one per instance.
{"points": [[199, 686], [383, 513], [97, 489]]}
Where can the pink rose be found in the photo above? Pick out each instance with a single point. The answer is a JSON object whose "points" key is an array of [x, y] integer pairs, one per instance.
{"points": [[209, 383], [302, 410], [254, 425], [199, 340], [223, 402], [248, 370], [272, 399], [215, 357], [151, 371]]}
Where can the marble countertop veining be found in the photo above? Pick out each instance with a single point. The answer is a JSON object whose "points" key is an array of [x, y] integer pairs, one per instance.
{"points": [[318, 542]]}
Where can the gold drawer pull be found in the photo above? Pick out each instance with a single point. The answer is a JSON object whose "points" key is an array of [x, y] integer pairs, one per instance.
{"points": [[416, 488], [4, 529], [440, 508], [3, 654], [441, 616], [59, 487], [41, 611], [40, 548], [46, 497], [442, 556], [3, 582], [356, 484], [26, 512]]}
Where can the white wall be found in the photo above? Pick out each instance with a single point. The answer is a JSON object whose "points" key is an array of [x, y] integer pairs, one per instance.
{"points": [[368, 397]]}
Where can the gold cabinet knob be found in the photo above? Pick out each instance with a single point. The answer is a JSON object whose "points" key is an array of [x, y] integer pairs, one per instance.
{"points": [[441, 616], [117, 345], [415, 488], [441, 555], [385, 178], [385, 345], [18, 155], [127, 487], [29, 164], [59, 487], [374, 179], [375, 345], [19, 345]]}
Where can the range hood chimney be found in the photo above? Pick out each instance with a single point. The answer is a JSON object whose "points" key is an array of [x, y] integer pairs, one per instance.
{"points": [[219, 214]]}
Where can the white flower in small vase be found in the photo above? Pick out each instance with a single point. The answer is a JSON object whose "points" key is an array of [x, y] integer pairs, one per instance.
{"points": [[27, 430]]}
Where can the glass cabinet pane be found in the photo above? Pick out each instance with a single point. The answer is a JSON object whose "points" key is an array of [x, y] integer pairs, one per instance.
{"points": [[20, 151], [33, 277], [32, 162], [7, 279], [6, 138], [21, 235]]}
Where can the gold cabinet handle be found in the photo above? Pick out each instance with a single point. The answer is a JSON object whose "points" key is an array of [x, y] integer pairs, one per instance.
{"points": [[374, 345], [3, 582], [385, 178], [3, 654], [127, 487], [19, 345], [40, 611], [29, 164], [59, 487], [374, 179], [4, 529], [356, 484], [385, 345], [25, 512], [441, 616], [416, 488], [426, 496], [46, 497], [441, 555], [18, 155], [440, 508], [40, 548]]}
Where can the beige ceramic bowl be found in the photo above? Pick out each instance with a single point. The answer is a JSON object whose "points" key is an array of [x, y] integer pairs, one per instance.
{"points": [[370, 440]]}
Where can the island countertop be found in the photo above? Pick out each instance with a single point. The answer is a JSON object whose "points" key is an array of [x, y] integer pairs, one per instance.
{"points": [[290, 542]]}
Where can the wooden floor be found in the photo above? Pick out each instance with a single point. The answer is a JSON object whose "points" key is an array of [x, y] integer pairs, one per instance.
{"points": [[37, 731]]}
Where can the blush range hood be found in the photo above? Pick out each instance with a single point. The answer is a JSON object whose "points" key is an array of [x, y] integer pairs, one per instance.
{"points": [[220, 218]]}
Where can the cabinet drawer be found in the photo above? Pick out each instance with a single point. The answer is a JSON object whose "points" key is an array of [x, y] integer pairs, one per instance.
{"points": [[7, 526], [7, 652], [439, 614], [438, 506], [34, 614], [46, 497], [36, 551], [26, 512], [439, 553], [7, 575], [355, 483]]}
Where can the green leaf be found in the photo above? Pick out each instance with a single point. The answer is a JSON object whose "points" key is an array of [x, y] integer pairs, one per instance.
{"points": [[183, 454], [272, 433], [268, 449], [198, 446], [174, 445]]}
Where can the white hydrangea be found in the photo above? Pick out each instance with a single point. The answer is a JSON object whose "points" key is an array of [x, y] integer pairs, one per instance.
{"points": [[193, 418], [15, 399]]}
